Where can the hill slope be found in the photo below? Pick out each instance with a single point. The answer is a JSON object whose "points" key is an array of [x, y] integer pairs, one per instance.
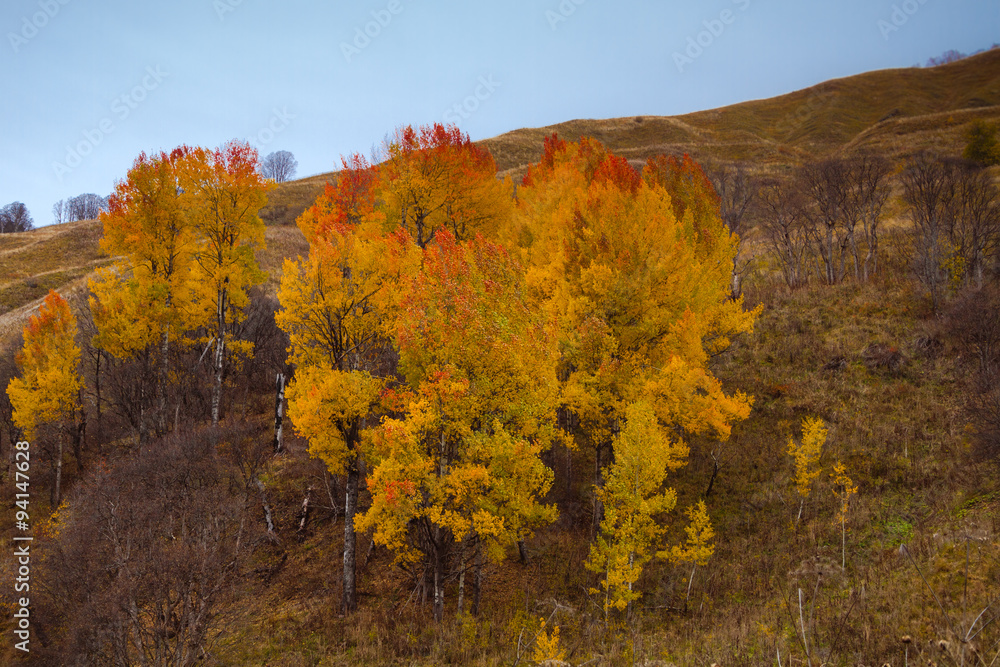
{"points": [[893, 112]]}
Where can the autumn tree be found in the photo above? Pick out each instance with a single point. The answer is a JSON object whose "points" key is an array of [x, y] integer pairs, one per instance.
{"points": [[844, 488], [228, 195], [336, 307], [637, 270], [981, 143], [459, 469], [185, 225], [48, 389], [806, 456], [436, 178], [633, 497], [147, 298]]}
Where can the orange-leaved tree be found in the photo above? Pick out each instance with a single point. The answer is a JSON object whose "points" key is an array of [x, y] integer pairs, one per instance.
{"points": [[458, 471], [638, 272], [48, 389], [337, 307], [228, 195], [436, 178], [147, 298]]}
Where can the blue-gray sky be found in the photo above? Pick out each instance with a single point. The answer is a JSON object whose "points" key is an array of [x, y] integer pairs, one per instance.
{"points": [[88, 84]]}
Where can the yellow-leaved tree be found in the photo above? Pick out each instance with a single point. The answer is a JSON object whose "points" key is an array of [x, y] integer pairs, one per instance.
{"points": [[184, 226], [49, 386], [634, 497], [337, 307], [806, 456], [147, 299], [228, 195], [459, 469], [637, 271]]}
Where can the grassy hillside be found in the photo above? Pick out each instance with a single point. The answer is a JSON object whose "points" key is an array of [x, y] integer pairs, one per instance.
{"points": [[892, 111], [900, 428], [901, 433]]}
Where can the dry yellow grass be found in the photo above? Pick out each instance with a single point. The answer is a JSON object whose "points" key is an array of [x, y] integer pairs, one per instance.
{"points": [[891, 111]]}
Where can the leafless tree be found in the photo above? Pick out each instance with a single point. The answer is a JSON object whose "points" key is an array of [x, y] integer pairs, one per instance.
{"points": [[847, 198], [85, 207], [949, 56], [280, 166], [59, 212], [736, 189], [974, 223], [826, 187], [780, 212], [871, 175], [929, 192], [14, 217]]}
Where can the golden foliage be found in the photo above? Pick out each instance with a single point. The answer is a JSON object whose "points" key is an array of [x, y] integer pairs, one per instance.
{"points": [[807, 453], [49, 363]]}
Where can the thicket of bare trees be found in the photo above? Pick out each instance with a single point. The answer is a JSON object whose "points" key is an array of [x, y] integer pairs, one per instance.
{"points": [[826, 220], [87, 206], [956, 221], [138, 565]]}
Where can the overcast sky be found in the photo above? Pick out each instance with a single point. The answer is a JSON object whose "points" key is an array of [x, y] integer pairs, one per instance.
{"points": [[88, 84]]}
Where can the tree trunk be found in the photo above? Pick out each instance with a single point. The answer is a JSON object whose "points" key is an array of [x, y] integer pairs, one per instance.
{"points": [[599, 484], [220, 347], [736, 286], [161, 384], [97, 391], [711, 480], [279, 410], [57, 496], [477, 580], [350, 603], [461, 581], [438, 574], [79, 434], [268, 519], [304, 513]]}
